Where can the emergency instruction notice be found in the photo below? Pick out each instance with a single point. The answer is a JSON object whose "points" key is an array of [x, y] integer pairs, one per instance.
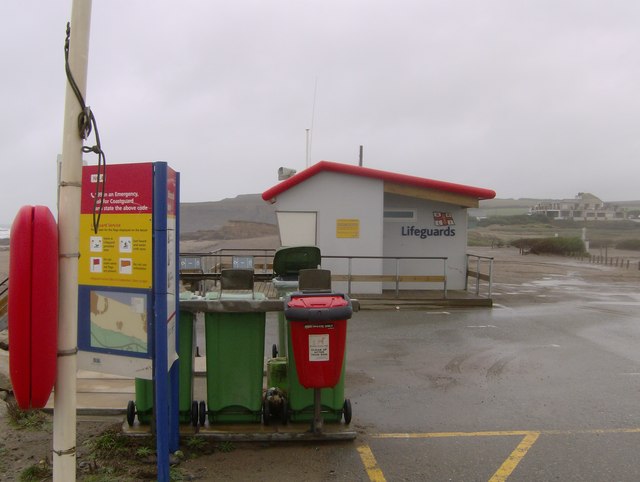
{"points": [[120, 253]]}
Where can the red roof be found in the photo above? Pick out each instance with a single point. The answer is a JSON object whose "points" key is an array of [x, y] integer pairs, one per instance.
{"points": [[421, 182]]}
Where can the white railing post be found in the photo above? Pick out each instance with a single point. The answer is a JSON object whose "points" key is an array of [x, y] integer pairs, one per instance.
{"points": [[444, 262], [397, 277], [490, 275]]}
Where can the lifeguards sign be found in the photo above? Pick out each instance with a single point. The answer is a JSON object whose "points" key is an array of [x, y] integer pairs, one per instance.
{"points": [[127, 269]]}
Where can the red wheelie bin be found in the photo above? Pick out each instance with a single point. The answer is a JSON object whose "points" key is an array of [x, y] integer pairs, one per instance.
{"points": [[318, 328]]}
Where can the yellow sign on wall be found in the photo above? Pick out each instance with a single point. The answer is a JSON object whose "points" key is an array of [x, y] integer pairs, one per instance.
{"points": [[347, 228]]}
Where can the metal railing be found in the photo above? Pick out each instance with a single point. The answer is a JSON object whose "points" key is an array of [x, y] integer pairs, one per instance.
{"points": [[213, 262], [210, 264], [477, 274], [396, 278]]}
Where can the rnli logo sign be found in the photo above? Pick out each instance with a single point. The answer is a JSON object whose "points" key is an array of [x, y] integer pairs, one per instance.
{"points": [[441, 218]]}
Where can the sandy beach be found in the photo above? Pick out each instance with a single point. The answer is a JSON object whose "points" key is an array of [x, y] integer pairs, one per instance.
{"points": [[4, 263]]}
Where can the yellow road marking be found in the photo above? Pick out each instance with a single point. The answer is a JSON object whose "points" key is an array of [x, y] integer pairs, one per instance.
{"points": [[509, 465], [370, 464], [451, 434], [505, 433]]}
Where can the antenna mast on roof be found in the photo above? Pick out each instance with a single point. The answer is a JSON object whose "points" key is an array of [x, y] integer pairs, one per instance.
{"points": [[360, 157], [310, 130]]}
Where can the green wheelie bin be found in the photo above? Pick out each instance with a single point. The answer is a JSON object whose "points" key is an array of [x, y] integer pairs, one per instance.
{"points": [[303, 261], [235, 354], [188, 408], [287, 263], [301, 399]]}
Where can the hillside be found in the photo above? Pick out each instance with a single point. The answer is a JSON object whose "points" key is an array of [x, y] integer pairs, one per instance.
{"points": [[212, 216]]}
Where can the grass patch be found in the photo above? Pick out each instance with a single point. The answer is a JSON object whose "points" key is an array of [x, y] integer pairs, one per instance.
{"points": [[196, 443], [37, 472], [177, 474], [629, 244], [109, 444], [226, 447], [3, 454], [475, 238], [556, 245], [144, 451], [27, 419]]}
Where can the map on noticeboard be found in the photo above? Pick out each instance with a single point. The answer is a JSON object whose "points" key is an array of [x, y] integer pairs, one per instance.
{"points": [[119, 321]]}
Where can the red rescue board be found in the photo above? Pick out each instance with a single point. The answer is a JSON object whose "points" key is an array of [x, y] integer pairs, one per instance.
{"points": [[33, 306]]}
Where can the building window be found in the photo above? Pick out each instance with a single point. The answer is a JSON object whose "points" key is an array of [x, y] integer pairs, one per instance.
{"points": [[400, 215]]}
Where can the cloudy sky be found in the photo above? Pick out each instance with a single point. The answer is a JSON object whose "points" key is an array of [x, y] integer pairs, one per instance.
{"points": [[531, 98]]}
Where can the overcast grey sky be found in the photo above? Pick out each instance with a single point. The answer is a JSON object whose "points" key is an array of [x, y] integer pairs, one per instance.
{"points": [[531, 98]]}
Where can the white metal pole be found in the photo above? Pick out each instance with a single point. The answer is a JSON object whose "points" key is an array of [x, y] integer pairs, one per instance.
{"points": [[64, 410], [306, 157]]}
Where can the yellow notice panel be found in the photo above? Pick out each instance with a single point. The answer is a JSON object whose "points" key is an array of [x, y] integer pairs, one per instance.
{"points": [[120, 254], [347, 228]]}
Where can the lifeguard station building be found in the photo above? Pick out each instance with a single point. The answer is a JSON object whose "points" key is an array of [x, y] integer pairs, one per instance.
{"points": [[378, 230]]}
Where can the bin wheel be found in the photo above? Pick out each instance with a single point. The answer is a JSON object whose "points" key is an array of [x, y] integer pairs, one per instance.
{"points": [[202, 412], [266, 412], [194, 413], [131, 412], [274, 351], [346, 410], [285, 412]]}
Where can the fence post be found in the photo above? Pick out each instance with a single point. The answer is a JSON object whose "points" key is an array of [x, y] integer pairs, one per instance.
{"points": [[397, 277], [445, 277], [490, 276], [466, 272]]}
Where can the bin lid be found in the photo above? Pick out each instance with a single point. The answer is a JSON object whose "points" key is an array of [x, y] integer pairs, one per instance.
{"points": [[288, 261], [306, 300], [317, 307]]}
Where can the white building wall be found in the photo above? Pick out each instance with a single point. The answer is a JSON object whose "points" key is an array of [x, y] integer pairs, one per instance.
{"points": [[337, 196], [423, 238]]}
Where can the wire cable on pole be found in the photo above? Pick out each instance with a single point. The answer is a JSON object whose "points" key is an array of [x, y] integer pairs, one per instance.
{"points": [[86, 123]]}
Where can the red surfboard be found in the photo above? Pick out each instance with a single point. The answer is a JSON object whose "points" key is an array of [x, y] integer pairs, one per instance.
{"points": [[33, 306]]}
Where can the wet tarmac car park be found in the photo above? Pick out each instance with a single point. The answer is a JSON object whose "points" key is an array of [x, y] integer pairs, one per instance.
{"points": [[544, 386]]}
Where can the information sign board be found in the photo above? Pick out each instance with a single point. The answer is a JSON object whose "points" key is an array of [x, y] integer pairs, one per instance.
{"points": [[117, 296]]}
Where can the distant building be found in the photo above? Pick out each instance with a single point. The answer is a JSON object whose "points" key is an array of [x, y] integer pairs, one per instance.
{"points": [[585, 207]]}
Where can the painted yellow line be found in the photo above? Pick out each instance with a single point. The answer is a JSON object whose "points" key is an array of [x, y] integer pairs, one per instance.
{"points": [[370, 464], [509, 465], [451, 434], [504, 433], [598, 431]]}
